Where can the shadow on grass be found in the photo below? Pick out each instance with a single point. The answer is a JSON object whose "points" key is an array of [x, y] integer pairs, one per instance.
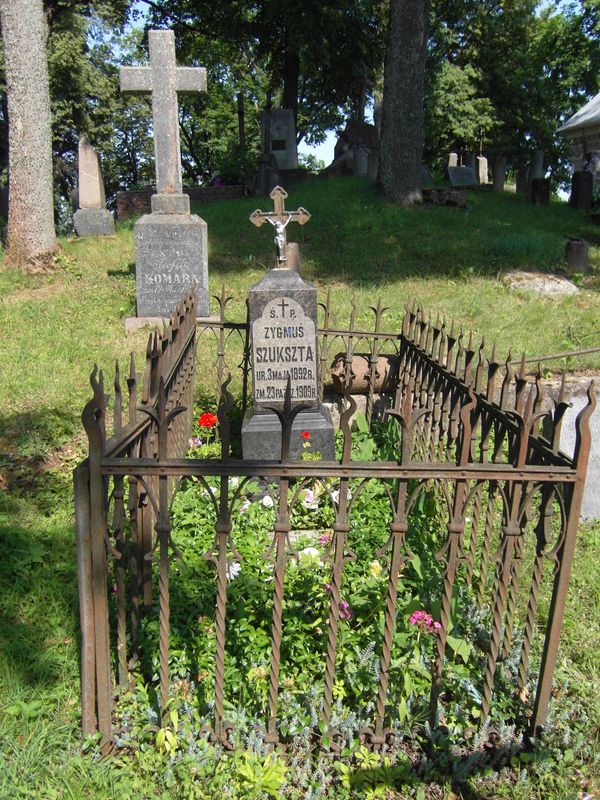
{"points": [[38, 598], [35, 447], [122, 273]]}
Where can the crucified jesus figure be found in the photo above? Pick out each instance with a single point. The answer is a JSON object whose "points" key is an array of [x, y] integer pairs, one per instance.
{"points": [[280, 236]]}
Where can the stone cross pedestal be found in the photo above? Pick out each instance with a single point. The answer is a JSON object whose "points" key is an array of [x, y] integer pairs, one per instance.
{"points": [[92, 217], [283, 328], [171, 244]]}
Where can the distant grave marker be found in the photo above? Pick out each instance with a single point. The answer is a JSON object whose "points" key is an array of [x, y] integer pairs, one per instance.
{"points": [[92, 217]]}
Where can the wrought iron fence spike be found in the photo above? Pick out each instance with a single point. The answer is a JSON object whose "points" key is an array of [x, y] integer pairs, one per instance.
{"points": [[523, 370], [561, 391]]}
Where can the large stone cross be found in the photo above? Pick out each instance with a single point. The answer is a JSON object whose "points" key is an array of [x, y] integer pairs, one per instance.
{"points": [[163, 79], [279, 218]]}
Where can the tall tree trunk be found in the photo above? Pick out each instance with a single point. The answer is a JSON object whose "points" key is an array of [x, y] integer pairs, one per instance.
{"points": [[31, 235], [291, 78], [402, 107], [241, 121]]}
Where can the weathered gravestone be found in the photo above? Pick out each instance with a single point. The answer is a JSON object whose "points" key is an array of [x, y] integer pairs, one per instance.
{"points": [[540, 191], [278, 133], [453, 160], [283, 329], [582, 190], [482, 169], [170, 243], [461, 176], [92, 217]]}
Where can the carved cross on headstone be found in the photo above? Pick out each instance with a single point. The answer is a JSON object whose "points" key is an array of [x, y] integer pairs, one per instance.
{"points": [[163, 79], [279, 218]]}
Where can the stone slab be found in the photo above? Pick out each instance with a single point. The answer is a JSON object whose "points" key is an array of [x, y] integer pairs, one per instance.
{"points": [[93, 222], [261, 436], [171, 259], [461, 176], [543, 283]]}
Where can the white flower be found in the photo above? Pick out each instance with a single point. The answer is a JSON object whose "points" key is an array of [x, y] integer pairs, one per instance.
{"points": [[234, 481], [335, 496], [310, 500], [245, 506], [310, 555], [233, 570], [267, 501]]}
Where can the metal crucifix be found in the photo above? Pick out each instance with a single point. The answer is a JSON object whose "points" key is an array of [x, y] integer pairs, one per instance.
{"points": [[279, 219]]}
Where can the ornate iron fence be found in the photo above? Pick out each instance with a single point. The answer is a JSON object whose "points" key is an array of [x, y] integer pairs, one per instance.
{"points": [[477, 432]]}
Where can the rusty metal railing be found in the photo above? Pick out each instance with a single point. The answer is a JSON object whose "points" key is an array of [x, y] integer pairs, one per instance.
{"points": [[479, 433]]}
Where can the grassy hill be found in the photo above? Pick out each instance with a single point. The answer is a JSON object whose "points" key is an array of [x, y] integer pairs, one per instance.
{"points": [[56, 325]]}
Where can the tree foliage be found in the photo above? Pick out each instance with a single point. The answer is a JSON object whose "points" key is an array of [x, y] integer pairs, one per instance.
{"points": [[455, 113], [532, 62], [318, 58]]}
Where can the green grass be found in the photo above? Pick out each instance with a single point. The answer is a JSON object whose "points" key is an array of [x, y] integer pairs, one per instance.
{"points": [[56, 326]]}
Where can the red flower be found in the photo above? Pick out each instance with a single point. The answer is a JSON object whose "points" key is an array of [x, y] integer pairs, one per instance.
{"points": [[207, 420], [305, 434]]}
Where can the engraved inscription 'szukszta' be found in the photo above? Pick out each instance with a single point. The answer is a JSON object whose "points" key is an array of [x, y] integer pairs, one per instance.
{"points": [[284, 346]]}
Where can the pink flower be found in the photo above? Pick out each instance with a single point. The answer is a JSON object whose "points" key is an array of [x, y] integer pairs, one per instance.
{"points": [[424, 621], [328, 587], [345, 610], [324, 538]]}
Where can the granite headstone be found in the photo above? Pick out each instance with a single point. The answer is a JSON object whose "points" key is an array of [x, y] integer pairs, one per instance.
{"points": [[453, 160], [170, 243]]}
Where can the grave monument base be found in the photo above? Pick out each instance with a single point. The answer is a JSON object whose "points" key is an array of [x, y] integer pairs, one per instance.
{"points": [[261, 435], [171, 258], [93, 222]]}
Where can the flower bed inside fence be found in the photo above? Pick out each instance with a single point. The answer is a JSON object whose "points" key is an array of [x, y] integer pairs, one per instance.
{"points": [[393, 593]]}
